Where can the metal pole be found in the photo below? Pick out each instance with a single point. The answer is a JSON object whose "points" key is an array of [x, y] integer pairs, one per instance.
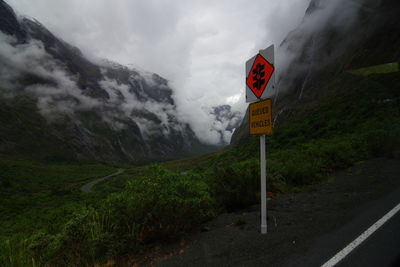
{"points": [[263, 165]]}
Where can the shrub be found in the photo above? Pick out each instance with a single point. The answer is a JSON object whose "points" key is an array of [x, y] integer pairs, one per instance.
{"points": [[162, 204], [14, 252], [158, 206], [294, 166], [235, 185]]}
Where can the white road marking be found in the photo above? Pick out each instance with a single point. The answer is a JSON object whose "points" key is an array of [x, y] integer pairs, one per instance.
{"points": [[344, 252]]}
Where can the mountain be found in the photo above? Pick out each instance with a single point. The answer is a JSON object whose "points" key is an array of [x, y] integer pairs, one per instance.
{"points": [[57, 104], [333, 38], [225, 122]]}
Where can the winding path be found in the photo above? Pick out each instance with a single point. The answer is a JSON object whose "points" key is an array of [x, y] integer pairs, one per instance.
{"points": [[88, 187]]}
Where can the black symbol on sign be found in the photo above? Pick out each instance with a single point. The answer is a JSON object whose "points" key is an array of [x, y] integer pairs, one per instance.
{"points": [[258, 76]]}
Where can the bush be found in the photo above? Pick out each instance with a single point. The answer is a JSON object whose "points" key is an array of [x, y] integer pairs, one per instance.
{"points": [[162, 204], [236, 185], [294, 166], [75, 245], [307, 163], [158, 206], [14, 252]]}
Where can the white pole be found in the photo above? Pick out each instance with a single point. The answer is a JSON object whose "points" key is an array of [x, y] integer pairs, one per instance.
{"points": [[263, 165]]}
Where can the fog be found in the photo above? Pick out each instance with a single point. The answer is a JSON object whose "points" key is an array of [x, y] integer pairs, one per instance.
{"points": [[58, 95], [200, 47]]}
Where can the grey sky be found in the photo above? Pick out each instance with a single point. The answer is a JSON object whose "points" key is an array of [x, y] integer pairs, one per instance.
{"points": [[199, 46]]}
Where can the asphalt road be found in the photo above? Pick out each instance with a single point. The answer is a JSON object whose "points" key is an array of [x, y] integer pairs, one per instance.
{"points": [[88, 187], [381, 248]]}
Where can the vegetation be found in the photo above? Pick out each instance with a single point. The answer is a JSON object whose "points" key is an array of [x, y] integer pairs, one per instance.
{"points": [[48, 221], [26, 132], [383, 68], [35, 196]]}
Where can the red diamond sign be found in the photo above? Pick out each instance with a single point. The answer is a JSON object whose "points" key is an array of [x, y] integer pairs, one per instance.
{"points": [[259, 75]]}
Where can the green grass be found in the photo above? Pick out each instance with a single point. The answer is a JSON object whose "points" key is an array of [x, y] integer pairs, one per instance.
{"points": [[26, 133], [377, 69], [158, 205], [38, 195]]}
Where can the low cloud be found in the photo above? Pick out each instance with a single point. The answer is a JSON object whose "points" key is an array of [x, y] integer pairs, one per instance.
{"points": [[56, 91], [122, 98], [200, 46], [58, 94], [308, 48]]}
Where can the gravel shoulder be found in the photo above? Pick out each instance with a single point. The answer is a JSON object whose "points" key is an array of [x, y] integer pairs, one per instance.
{"points": [[296, 222]]}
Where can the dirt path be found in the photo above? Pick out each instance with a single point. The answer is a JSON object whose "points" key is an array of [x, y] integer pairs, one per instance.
{"points": [[88, 187], [296, 222]]}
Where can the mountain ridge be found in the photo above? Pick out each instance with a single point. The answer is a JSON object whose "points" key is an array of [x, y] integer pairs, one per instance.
{"points": [[101, 111]]}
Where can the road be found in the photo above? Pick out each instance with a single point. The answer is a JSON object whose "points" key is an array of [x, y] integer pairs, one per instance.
{"points": [[380, 248], [88, 187], [306, 228]]}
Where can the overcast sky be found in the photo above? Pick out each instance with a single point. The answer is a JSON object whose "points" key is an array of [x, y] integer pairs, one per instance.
{"points": [[199, 46]]}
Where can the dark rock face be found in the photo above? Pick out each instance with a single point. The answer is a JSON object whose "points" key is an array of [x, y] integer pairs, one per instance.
{"points": [[106, 112], [352, 34], [9, 23], [69, 55], [242, 131], [159, 92]]}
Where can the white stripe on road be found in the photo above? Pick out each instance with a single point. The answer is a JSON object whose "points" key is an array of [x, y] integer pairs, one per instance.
{"points": [[344, 252]]}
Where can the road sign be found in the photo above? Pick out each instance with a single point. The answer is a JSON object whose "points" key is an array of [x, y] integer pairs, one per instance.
{"points": [[260, 75], [260, 83], [260, 117]]}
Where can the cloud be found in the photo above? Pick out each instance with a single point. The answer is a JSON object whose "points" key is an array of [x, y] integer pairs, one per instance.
{"points": [[122, 99], [309, 47], [58, 94], [58, 90], [199, 46]]}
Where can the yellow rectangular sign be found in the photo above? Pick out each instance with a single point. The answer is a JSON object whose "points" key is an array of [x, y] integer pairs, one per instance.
{"points": [[260, 121]]}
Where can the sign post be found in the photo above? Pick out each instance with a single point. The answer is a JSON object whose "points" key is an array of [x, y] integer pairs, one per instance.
{"points": [[260, 80], [263, 171], [260, 123]]}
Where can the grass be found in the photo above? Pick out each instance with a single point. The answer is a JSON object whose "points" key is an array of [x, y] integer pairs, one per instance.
{"points": [[80, 230], [38, 195], [48, 221], [377, 69], [27, 133]]}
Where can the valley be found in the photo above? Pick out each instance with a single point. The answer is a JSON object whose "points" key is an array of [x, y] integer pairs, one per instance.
{"points": [[101, 166], [224, 181]]}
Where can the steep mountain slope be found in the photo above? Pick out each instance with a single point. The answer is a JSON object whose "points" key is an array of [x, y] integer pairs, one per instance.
{"points": [[350, 34], [334, 37], [57, 103]]}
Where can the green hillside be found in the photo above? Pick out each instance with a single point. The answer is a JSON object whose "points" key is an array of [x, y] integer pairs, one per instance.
{"points": [[24, 132], [358, 118], [47, 220]]}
